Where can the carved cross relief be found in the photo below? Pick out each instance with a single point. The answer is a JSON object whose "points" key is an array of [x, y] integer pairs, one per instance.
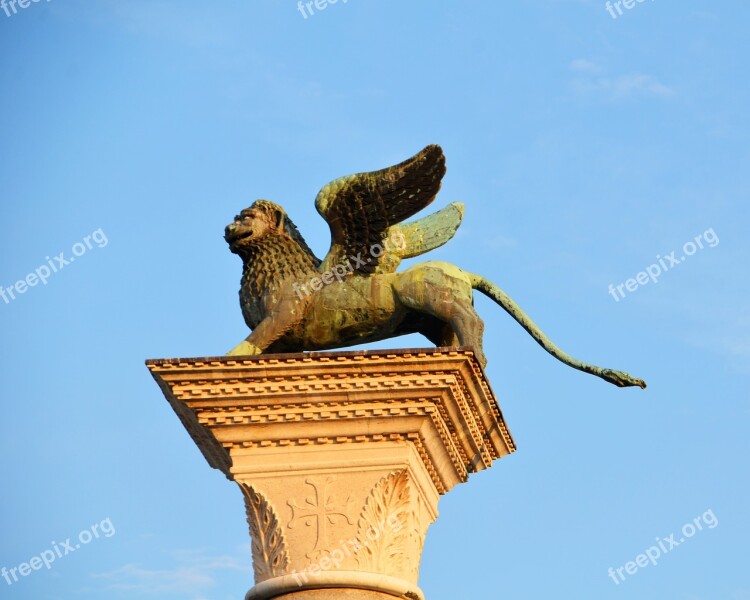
{"points": [[320, 510]]}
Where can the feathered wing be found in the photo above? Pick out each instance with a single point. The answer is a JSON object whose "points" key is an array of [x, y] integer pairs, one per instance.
{"points": [[364, 212], [427, 233]]}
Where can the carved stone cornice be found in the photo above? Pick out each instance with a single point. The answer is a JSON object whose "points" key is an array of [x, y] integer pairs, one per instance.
{"points": [[338, 391]]}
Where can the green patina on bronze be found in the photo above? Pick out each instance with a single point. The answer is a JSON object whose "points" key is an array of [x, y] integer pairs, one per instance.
{"points": [[293, 301]]}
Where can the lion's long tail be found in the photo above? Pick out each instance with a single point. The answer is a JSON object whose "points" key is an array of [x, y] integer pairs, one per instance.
{"points": [[619, 378]]}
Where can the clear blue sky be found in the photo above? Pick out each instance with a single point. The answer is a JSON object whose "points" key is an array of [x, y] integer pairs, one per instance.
{"points": [[582, 145]]}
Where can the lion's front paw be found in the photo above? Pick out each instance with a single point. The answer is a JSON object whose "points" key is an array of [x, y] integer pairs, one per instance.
{"points": [[245, 349]]}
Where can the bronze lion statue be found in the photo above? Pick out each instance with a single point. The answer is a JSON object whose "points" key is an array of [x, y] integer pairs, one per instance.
{"points": [[293, 301]]}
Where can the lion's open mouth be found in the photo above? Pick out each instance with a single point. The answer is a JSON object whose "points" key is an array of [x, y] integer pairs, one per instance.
{"points": [[234, 234]]}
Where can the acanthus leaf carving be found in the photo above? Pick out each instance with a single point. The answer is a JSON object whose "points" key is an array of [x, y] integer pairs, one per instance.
{"points": [[383, 525], [270, 554]]}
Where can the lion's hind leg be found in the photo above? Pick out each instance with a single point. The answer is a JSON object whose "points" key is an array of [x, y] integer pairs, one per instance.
{"points": [[440, 333], [468, 326], [445, 292]]}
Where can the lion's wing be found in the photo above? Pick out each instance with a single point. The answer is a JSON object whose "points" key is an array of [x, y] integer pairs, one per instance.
{"points": [[427, 233], [362, 209]]}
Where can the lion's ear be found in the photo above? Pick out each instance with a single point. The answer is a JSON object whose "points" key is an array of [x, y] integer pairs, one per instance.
{"points": [[279, 216]]}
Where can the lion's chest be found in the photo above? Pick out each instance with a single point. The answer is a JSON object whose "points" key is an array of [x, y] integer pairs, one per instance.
{"points": [[252, 302]]}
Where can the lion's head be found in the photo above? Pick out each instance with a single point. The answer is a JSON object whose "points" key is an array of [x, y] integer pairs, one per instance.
{"points": [[261, 219], [265, 222]]}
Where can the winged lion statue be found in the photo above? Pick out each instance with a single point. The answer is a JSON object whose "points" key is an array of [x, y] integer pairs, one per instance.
{"points": [[293, 301]]}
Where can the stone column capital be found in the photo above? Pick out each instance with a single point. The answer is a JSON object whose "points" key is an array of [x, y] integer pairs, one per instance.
{"points": [[341, 457]]}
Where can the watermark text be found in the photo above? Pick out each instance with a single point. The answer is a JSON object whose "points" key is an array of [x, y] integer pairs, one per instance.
{"points": [[53, 265], [334, 558], [397, 240], [10, 5], [663, 546], [669, 261], [307, 7], [58, 550], [628, 4]]}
